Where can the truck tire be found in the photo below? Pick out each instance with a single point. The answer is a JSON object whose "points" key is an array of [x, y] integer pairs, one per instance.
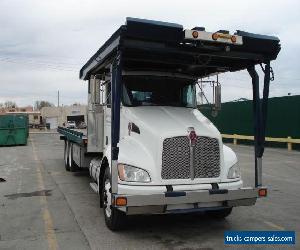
{"points": [[220, 214], [114, 218], [71, 163], [66, 156]]}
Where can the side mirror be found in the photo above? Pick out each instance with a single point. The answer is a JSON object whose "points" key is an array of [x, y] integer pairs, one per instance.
{"points": [[217, 97], [216, 100]]}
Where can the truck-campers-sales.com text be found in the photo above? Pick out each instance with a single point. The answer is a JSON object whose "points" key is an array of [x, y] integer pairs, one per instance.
{"points": [[251, 239]]}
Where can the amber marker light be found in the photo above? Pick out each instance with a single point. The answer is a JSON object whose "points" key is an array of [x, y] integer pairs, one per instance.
{"points": [[121, 201], [233, 39], [195, 34], [215, 36]]}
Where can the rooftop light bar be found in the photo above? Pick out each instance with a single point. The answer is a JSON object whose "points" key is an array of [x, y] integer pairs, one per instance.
{"points": [[212, 37]]}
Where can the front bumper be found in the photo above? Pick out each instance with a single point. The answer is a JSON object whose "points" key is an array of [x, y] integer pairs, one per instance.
{"points": [[187, 201]]}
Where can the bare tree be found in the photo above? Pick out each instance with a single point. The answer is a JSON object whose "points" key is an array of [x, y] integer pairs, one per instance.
{"points": [[10, 104], [40, 104]]}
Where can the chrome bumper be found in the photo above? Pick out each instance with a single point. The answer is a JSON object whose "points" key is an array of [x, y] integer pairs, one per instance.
{"points": [[188, 201]]}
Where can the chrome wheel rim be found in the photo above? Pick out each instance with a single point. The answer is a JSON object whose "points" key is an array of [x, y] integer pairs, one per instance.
{"points": [[107, 198]]}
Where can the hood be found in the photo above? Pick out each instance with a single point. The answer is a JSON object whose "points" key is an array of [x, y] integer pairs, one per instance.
{"points": [[155, 124], [163, 121]]}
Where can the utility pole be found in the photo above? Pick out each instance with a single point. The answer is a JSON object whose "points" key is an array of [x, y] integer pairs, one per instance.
{"points": [[57, 98]]}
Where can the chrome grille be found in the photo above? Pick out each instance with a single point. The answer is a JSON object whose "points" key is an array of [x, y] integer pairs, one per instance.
{"points": [[176, 158], [207, 157]]}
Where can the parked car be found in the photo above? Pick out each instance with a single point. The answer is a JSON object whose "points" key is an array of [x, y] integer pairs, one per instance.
{"points": [[71, 124]]}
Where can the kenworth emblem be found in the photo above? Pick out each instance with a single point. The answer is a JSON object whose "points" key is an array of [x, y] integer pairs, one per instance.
{"points": [[192, 136]]}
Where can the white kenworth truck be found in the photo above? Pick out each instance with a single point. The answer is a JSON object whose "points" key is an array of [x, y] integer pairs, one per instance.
{"points": [[148, 148]]}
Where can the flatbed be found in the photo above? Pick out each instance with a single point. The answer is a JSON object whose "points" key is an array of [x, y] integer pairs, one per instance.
{"points": [[73, 135]]}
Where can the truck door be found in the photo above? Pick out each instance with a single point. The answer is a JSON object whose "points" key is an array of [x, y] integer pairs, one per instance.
{"points": [[107, 114]]}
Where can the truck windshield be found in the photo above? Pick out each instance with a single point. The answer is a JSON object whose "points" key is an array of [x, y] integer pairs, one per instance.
{"points": [[158, 91]]}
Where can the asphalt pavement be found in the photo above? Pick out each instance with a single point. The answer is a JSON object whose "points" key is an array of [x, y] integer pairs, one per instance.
{"points": [[44, 207]]}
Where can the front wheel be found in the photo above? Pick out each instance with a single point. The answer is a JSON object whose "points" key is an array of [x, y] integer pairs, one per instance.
{"points": [[114, 218], [220, 214]]}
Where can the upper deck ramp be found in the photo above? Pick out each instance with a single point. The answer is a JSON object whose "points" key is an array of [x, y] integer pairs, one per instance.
{"points": [[160, 46]]}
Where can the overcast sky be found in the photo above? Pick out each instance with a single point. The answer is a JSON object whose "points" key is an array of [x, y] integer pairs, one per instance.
{"points": [[43, 44]]}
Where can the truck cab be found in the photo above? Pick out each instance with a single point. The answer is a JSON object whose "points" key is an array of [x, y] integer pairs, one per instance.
{"points": [[148, 148], [162, 134], [166, 139]]}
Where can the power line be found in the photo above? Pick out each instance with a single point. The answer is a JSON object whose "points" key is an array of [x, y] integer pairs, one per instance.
{"points": [[34, 59], [41, 65]]}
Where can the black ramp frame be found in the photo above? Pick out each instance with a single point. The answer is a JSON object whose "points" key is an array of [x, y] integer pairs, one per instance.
{"points": [[115, 118], [259, 117]]}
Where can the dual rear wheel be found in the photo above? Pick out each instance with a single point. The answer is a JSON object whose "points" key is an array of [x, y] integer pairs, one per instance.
{"points": [[114, 218], [70, 165]]}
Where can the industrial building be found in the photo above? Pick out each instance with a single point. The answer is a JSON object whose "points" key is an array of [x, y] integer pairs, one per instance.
{"points": [[34, 116], [58, 116]]}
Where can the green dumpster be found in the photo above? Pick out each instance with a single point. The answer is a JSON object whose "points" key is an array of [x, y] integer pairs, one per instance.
{"points": [[13, 129]]}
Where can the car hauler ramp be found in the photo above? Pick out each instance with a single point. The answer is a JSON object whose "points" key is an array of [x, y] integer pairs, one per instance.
{"points": [[164, 46]]}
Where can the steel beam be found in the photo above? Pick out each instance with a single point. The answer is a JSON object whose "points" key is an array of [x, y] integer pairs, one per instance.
{"points": [[115, 119], [257, 122], [260, 108]]}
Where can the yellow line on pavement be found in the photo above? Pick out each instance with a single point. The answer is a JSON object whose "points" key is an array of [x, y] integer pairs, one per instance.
{"points": [[49, 230], [271, 224]]}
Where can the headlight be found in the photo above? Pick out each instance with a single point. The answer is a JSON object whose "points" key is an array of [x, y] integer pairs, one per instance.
{"points": [[234, 172], [129, 173]]}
